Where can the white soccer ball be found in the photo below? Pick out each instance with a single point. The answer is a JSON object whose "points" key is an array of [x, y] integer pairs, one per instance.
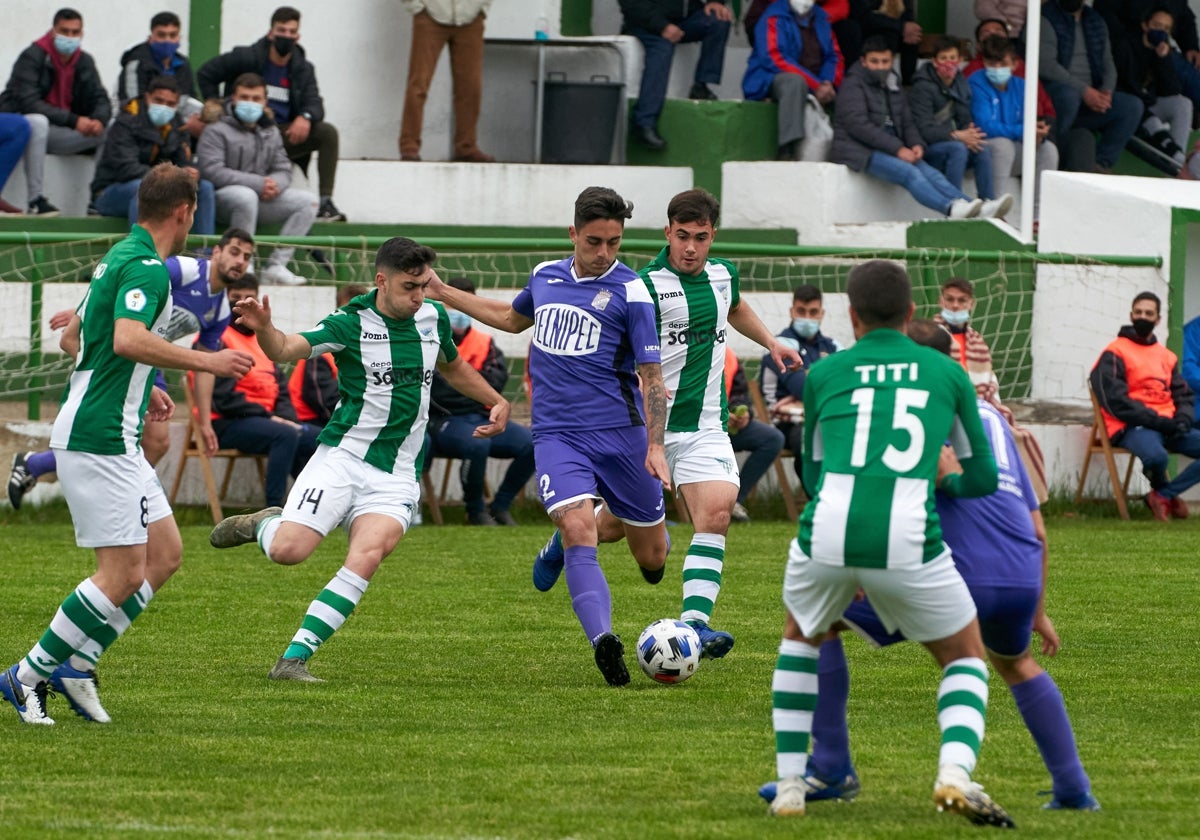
{"points": [[668, 650]]}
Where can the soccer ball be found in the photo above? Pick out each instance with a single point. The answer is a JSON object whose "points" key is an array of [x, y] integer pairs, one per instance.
{"points": [[668, 650]]}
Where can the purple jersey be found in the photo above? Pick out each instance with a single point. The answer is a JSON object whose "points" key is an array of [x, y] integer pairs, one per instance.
{"points": [[195, 307], [992, 537], [589, 335]]}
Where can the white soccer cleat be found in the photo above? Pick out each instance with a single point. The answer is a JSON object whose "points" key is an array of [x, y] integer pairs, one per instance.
{"points": [[277, 274], [295, 670], [996, 208], [955, 792], [964, 208], [790, 795], [82, 690], [29, 701]]}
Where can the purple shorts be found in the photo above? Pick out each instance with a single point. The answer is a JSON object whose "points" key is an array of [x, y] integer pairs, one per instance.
{"points": [[1005, 618], [605, 463]]}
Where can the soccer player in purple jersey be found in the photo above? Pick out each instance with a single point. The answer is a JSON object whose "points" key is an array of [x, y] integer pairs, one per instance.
{"points": [[999, 546], [198, 305], [594, 337]]}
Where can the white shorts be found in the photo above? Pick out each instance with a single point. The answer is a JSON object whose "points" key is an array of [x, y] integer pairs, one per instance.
{"points": [[927, 603], [113, 498], [336, 486], [706, 455]]}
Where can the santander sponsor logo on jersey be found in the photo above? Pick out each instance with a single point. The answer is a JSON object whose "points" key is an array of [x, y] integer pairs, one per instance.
{"points": [[564, 330]]}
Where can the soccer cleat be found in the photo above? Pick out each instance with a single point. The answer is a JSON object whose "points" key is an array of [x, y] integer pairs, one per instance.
{"points": [[239, 530], [30, 702], [1179, 508], [1159, 506], [739, 514], [819, 789], [548, 564], [81, 688], [293, 669], [277, 274], [955, 792], [964, 208], [789, 798], [713, 643], [1084, 802], [20, 481], [610, 659]]}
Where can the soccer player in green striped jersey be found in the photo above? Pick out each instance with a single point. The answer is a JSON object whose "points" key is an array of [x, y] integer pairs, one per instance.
{"points": [[366, 471], [696, 298], [876, 418], [117, 503]]}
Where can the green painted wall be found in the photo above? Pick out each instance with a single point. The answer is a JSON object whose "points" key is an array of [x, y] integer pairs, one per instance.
{"points": [[204, 31], [576, 17]]}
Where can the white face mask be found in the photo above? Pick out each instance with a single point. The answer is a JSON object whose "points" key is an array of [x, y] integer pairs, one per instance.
{"points": [[801, 7]]}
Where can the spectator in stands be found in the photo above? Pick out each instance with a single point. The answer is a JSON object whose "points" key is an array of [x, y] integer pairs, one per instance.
{"points": [[1185, 57], [243, 155], [454, 417], [998, 107], [956, 303], [795, 55], [660, 25], [313, 385], [763, 441], [995, 27], [292, 96], [147, 132], [893, 21], [783, 390], [1012, 13], [940, 100], [874, 132], [14, 135], [55, 85], [1148, 407], [159, 55], [458, 25], [254, 413], [1077, 68]]}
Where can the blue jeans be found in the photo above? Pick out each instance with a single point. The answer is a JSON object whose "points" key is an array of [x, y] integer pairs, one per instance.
{"points": [[928, 186], [763, 441], [14, 134], [121, 200], [1116, 125], [1152, 448], [288, 446], [697, 26], [953, 159], [1189, 76], [452, 439]]}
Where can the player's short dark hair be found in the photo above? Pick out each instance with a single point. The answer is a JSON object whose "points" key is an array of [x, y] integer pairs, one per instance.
{"points": [[246, 281], [806, 293], [880, 293], [163, 83], [461, 283], [165, 19], [876, 43], [403, 254], [947, 42], [696, 205], [995, 48], [235, 233], [162, 190], [1149, 296], [248, 80], [929, 333], [962, 284], [66, 13], [601, 203], [979, 26], [347, 293], [285, 14]]}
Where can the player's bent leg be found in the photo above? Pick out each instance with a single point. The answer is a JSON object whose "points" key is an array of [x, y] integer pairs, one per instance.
{"points": [[649, 545], [164, 551], [590, 596], [710, 503], [156, 440]]}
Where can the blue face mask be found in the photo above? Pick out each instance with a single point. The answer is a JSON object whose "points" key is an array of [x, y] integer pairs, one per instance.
{"points": [[248, 112], [160, 115], [163, 51], [459, 321], [65, 45], [806, 328], [1157, 36], [956, 318], [998, 75]]}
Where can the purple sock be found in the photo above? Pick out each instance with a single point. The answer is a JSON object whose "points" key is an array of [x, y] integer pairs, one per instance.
{"points": [[40, 463], [831, 734], [590, 597], [1041, 705]]}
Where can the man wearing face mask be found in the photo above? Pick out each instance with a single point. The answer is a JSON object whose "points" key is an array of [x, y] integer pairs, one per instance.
{"points": [[453, 418], [1148, 407], [292, 96], [159, 55], [147, 132], [56, 86]]}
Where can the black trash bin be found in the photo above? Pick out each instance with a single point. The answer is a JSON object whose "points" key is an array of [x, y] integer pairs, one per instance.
{"points": [[579, 119]]}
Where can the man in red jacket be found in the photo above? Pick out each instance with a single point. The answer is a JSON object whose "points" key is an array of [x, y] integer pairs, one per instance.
{"points": [[1148, 406]]}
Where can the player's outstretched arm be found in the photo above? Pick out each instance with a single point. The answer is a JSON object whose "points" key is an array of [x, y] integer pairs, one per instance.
{"points": [[468, 381], [494, 313], [278, 345], [654, 393], [134, 341], [746, 321]]}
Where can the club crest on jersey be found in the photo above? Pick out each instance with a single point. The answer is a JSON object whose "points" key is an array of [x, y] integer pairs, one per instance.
{"points": [[428, 332], [724, 290], [135, 300], [564, 330], [600, 301]]}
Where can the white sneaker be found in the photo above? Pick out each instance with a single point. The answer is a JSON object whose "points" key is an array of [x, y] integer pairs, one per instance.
{"points": [[277, 274], [964, 208], [790, 794], [996, 208], [955, 792]]}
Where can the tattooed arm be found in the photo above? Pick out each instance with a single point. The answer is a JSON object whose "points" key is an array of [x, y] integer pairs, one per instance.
{"points": [[654, 393]]}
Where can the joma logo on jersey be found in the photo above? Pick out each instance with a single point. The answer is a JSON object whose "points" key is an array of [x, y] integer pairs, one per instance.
{"points": [[712, 335], [669, 295], [367, 335], [402, 376], [563, 330]]}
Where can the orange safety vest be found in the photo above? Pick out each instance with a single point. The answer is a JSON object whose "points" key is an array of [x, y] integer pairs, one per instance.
{"points": [[259, 385], [304, 412], [731, 367], [474, 348], [1149, 369]]}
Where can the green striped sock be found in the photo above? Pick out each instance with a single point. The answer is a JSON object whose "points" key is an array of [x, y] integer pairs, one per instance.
{"points": [[327, 613], [118, 623], [702, 576], [84, 611], [962, 706], [793, 698]]}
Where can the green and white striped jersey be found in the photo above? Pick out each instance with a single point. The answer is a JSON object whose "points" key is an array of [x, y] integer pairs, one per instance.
{"points": [[384, 368], [693, 315], [107, 395], [876, 417]]}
